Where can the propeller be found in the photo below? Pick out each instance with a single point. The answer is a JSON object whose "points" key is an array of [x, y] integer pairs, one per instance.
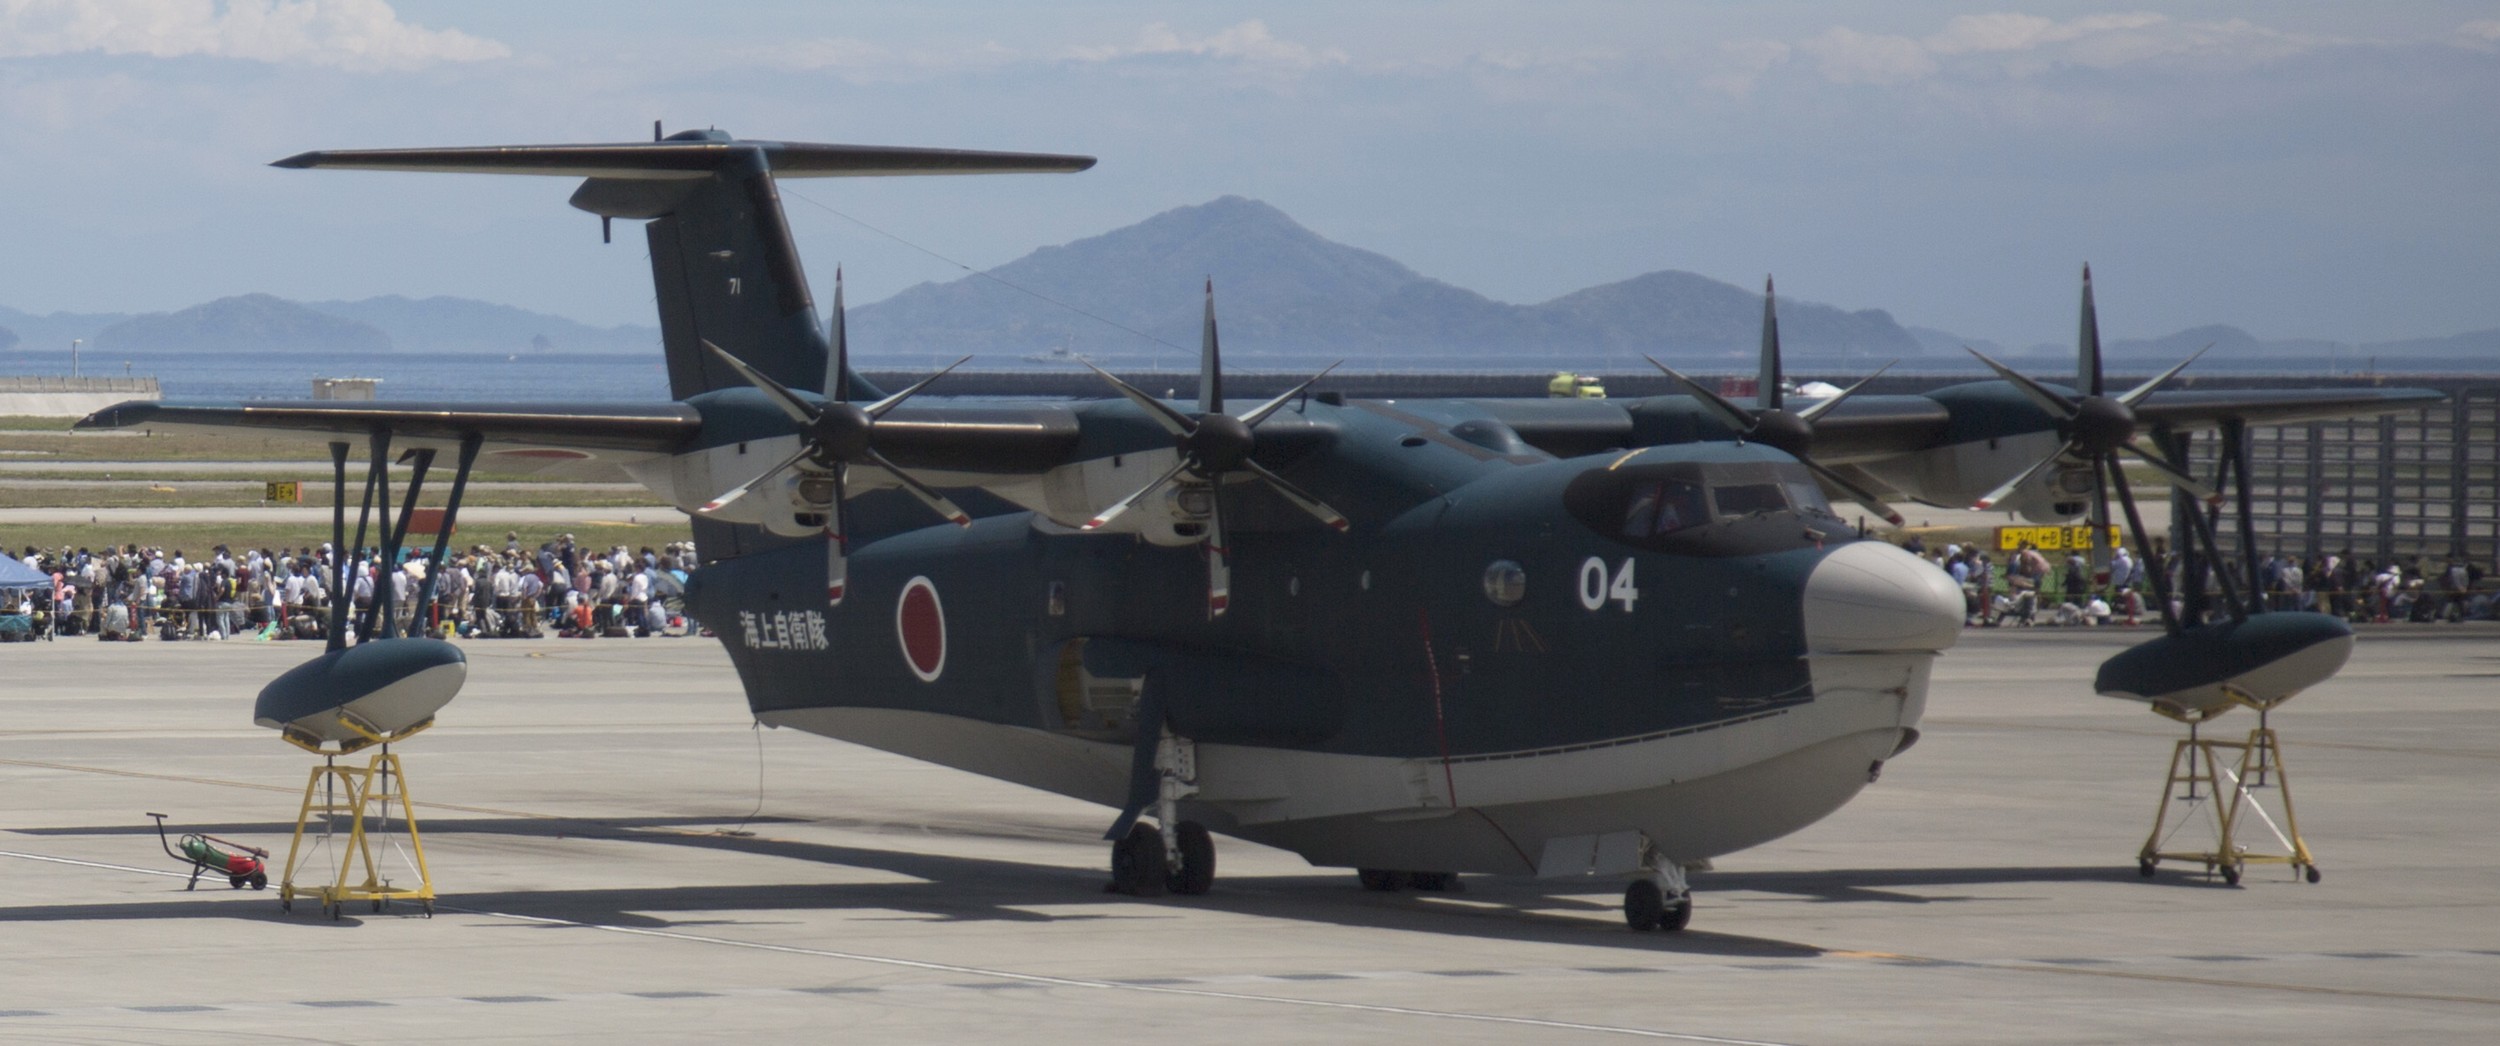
{"points": [[2097, 424], [1775, 426], [2098, 427], [1213, 445], [836, 434]]}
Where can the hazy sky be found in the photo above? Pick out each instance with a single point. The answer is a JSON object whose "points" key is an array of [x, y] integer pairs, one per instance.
{"points": [[2301, 169]]}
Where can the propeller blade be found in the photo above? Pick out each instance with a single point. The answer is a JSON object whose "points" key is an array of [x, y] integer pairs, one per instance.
{"points": [[1818, 410], [2050, 400], [2088, 342], [838, 353], [1856, 493], [878, 409], [838, 544], [2006, 489], [1219, 555], [1210, 366], [798, 409], [1272, 406], [927, 494], [741, 489], [1738, 418], [1769, 394], [2096, 515], [1105, 516], [2177, 476], [1174, 421], [2136, 395], [1301, 499]]}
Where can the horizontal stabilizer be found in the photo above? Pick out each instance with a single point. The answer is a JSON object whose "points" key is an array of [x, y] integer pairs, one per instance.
{"points": [[690, 157]]}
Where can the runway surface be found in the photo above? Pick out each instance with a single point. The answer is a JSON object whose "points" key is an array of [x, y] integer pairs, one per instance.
{"points": [[622, 859]]}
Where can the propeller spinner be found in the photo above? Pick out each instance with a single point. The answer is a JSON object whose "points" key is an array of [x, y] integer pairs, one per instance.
{"points": [[836, 434], [1213, 445]]}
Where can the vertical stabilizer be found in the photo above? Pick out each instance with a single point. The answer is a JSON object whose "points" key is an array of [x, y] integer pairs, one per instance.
{"points": [[724, 266]]}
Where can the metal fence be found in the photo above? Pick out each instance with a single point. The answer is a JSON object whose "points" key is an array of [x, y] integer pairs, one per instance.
{"points": [[2424, 484]]}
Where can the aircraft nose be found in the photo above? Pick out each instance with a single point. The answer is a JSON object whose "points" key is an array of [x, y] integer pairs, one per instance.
{"points": [[1868, 596]]}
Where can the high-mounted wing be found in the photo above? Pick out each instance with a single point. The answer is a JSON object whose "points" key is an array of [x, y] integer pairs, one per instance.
{"points": [[566, 439]]}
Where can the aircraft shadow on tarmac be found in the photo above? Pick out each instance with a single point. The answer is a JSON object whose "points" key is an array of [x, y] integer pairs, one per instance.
{"points": [[954, 888]]}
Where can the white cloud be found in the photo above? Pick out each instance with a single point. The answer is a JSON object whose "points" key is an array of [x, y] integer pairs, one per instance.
{"points": [[2482, 35], [2019, 32], [2013, 44], [346, 34], [1846, 56], [1248, 43]]}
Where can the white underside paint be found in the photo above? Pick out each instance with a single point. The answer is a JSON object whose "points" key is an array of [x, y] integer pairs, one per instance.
{"points": [[1696, 793]]}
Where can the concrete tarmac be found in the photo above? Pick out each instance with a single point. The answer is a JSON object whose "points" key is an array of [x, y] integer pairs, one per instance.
{"points": [[622, 859]]}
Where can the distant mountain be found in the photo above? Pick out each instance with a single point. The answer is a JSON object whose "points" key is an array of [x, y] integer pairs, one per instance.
{"points": [[8, 338], [465, 325], [54, 331], [244, 325], [1283, 289]]}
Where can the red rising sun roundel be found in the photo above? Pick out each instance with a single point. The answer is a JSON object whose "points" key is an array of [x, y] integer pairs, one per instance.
{"points": [[920, 623]]}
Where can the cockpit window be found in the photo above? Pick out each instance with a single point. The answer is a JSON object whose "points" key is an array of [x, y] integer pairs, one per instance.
{"points": [[1663, 506], [1807, 495], [1705, 507], [1739, 500]]}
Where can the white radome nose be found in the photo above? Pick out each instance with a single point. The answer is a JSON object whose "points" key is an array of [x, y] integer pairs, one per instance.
{"points": [[1867, 596]]}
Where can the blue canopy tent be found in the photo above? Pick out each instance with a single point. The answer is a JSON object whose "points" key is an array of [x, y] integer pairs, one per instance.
{"points": [[15, 574]]}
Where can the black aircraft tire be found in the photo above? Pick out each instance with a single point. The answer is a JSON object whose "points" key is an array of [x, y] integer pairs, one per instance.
{"points": [[1679, 915], [1196, 875], [2144, 868], [1644, 905], [1435, 882], [1138, 866], [1379, 880], [2231, 874]]}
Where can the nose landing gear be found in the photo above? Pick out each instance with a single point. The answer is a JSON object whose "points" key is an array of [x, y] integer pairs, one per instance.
{"points": [[1659, 899]]}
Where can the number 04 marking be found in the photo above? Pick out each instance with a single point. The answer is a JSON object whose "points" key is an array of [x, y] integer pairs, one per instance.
{"points": [[1595, 590]]}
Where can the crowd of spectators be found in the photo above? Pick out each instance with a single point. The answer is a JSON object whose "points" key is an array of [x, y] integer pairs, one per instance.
{"points": [[559, 588], [2031, 588]]}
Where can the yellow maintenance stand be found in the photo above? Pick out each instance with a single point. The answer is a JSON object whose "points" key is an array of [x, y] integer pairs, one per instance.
{"points": [[2199, 770], [363, 795]]}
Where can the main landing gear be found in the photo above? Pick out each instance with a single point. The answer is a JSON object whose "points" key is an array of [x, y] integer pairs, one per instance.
{"points": [[1174, 856], [1659, 898], [1143, 864]]}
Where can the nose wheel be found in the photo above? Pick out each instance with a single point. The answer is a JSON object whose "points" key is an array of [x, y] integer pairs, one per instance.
{"points": [[1659, 899]]}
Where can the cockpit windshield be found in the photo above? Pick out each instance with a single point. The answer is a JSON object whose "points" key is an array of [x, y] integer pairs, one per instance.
{"points": [[1648, 505]]}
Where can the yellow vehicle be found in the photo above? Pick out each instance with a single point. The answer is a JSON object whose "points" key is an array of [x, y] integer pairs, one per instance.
{"points": [[1566, 385]]}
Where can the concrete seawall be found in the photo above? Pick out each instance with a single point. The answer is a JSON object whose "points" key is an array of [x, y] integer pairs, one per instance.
{"points": [[58, 397]]}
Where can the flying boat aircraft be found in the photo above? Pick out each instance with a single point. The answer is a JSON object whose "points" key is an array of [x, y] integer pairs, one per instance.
{"points": [[1413, 637]]}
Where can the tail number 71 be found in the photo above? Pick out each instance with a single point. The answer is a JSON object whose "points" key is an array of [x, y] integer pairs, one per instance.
{"points": [[1595, 590]]}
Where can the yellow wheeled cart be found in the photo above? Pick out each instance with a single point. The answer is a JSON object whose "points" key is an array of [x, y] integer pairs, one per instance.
{"points": [[2219, 776], [363, 795]]}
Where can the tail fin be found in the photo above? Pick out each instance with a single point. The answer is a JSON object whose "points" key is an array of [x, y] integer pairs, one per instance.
{"points": [[723, 262]]}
